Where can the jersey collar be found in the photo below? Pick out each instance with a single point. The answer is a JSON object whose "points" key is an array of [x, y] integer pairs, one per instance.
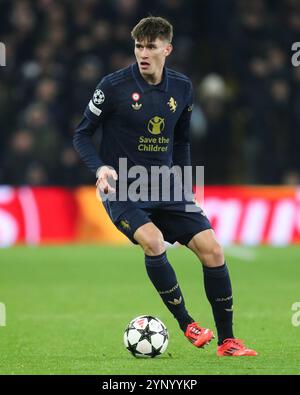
{"points": [[144, 86]]}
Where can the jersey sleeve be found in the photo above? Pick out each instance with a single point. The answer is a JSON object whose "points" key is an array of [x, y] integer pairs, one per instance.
{"points": [[83, 144], [99, 107], [181, 148], [101, 103]]}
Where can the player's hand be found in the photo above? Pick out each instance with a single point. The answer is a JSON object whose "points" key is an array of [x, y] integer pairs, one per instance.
{"points": [[103, 175]]}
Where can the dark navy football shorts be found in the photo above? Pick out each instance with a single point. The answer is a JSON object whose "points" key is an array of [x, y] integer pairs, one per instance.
{"points": [[171, 218]]}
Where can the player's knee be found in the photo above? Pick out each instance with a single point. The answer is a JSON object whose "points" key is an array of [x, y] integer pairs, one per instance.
{"points": [[217, 255], [214, 256], [154, 244]]}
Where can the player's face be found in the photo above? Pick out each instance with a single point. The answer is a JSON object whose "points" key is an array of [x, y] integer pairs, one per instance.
{"points": [[151, 56]]}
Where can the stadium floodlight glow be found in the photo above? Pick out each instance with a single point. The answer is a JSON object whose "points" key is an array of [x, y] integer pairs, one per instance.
{"points": [[2, 54]]}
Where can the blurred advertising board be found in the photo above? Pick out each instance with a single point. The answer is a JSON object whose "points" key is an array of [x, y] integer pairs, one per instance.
{"points": [[253, 215], [239, 214]]}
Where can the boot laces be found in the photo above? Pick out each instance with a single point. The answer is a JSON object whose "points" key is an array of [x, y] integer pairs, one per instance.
{"points": [[238, 342]]}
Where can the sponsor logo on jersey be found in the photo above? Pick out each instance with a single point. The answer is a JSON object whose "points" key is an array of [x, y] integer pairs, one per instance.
{"points": [[156, 125]]}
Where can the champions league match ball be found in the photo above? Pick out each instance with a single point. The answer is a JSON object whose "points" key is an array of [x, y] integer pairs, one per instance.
{"points": [[146, 337]]}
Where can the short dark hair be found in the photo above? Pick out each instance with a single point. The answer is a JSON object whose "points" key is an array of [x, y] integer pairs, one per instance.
{"points": [[151, 28]]}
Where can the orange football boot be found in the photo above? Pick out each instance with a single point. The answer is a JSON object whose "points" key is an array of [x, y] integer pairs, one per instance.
{"points": [[234, 348], [198, 336]]}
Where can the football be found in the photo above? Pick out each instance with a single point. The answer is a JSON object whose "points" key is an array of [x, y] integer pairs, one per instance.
{"points": [[146, 336]]}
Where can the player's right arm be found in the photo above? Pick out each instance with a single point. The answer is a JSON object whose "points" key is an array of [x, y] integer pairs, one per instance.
{"points": [[98, 108]]}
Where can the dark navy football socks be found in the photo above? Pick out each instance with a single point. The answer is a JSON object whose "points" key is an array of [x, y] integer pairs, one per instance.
{"points": [[164, 280], [219, 293]]}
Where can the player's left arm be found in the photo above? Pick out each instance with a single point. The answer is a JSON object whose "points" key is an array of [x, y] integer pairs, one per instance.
{"points": [[181, 147]]}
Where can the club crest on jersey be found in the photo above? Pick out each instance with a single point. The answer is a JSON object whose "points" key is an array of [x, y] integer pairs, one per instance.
{"points": [[98, 97], [172, 103], [136, 97], [156, 125]]}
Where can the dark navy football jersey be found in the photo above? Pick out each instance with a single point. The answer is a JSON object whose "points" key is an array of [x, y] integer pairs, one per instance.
{"points": [[147, 124]]}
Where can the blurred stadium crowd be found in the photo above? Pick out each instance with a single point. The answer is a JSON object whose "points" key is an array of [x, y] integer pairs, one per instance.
{"points": [[246, 118]]}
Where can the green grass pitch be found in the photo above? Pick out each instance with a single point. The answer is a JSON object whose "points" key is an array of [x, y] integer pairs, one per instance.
{"points": [[67, 307]]}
